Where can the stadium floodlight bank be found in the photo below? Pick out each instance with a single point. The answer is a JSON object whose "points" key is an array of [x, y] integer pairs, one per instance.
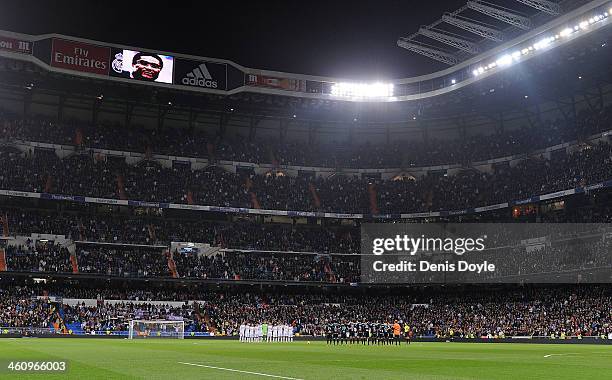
{"points": [[142, 329]]}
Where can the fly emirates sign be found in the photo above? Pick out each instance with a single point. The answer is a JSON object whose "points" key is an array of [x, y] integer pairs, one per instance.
{"points": [[79, 56]]}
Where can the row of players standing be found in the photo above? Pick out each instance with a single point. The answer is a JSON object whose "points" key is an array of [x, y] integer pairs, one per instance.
{"points": [[368, 333], [262, 332]]}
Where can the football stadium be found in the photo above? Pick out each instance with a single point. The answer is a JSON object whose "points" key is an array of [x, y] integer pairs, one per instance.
{"points": [[306, 190]]}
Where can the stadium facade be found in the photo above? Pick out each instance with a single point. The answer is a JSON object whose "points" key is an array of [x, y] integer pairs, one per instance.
{"points": [[180, 177]]}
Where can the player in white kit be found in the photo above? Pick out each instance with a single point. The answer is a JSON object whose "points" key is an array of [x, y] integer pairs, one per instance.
{"points": [[258, 333], [276, 332], [241, 332]]}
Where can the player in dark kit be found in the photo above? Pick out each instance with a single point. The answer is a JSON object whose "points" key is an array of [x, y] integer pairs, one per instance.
{"points": [[343, 333], [381, 334], [366, 333], [340, 334], [362, 333], [374, 335], [335, 333], [353, 332], [370, 332]]}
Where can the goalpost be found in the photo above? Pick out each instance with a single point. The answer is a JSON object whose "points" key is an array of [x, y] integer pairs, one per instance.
{"points": [[140, 329]]}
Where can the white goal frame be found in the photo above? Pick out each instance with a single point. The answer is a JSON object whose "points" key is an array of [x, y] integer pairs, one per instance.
{"points": [[180, 334]]}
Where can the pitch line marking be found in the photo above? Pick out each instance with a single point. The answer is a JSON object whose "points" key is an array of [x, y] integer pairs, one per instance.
{"points": [[236, 370], [549, 355]]}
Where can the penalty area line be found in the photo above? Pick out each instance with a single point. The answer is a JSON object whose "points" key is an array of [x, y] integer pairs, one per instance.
{"points": [[237, 370]]}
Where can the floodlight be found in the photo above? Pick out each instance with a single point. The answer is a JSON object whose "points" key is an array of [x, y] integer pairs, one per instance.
{"points": [[362, 90], [504, 60]]}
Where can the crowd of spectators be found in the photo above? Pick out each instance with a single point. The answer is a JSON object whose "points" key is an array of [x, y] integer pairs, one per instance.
{"points": [[541, 312], [162, 230], [583, 310], [30, 307], [139, 262], [18, 309], [149, 181], [563, 256], [269, 267], [38, 258], [117, 316], [181, 142]]}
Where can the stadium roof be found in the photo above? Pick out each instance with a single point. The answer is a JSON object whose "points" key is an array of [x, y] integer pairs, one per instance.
{"points": [[339, 38], [479, 25], [315, 94]]}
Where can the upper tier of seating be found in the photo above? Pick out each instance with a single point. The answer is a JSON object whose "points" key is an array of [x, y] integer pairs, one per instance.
{"points": [[405, 154], [87, 175]]}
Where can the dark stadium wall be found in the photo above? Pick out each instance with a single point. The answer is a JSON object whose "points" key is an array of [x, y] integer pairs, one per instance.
{"points": [[43, 105], [11, 105], [74, 111]]}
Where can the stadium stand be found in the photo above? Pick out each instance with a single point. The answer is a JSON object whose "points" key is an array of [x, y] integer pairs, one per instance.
{"points": [[420, 153], [90, 175], [280, 240], [530, 311]]}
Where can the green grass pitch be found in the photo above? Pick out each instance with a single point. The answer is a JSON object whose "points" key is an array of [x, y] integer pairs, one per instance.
{"points": [[161, 359]]}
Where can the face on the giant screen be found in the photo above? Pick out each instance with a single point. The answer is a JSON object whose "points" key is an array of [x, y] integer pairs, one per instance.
{"points": [[146, 66]]}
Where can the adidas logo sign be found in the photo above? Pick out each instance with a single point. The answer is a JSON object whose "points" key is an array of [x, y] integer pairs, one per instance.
{"points": [[200, 77]]}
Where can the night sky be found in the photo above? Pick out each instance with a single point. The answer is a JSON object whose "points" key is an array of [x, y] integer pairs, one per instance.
{"points": [[350, 39]]}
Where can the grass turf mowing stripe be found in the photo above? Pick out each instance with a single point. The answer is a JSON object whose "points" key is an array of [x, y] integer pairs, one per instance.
{"points": [[159, 359]]}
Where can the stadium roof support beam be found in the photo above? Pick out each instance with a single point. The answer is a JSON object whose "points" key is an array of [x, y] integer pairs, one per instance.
{"points": [[60, 106], [544, 6], [429, 52], [27, 101], [521, 22], [459, 43], [95, 110], [282, 130], [129, 113], [162, 111], [594, 101], [312, 132], [472, 27], [253, 123], [193, 115]]}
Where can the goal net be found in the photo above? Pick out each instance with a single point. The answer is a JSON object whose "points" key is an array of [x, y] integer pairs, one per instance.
{"points": [[140, 329]]}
